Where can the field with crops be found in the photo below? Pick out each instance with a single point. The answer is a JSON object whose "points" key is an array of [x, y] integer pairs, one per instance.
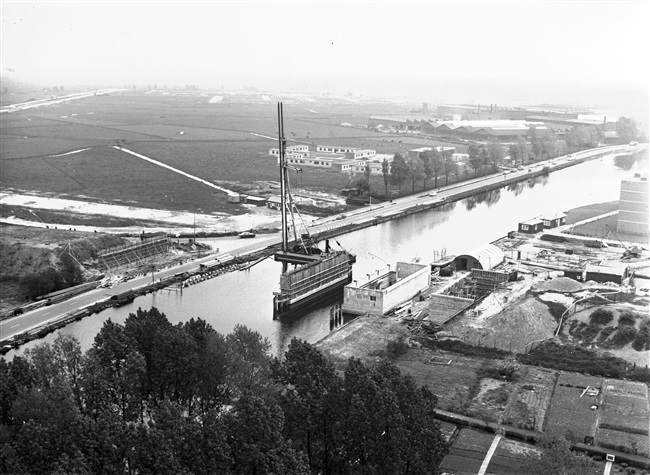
{"points": [[624, 416], [569, 413]]}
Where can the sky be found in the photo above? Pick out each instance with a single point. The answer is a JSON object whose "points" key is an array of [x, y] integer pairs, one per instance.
{"points": [[390, 47]]}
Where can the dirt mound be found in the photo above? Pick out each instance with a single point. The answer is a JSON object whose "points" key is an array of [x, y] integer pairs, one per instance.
{"points": [[512, 329], [559, 284], [30, 250]]}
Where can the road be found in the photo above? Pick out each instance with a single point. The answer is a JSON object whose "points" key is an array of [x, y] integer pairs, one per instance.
{"points": [[35, 318], [21, 106]]}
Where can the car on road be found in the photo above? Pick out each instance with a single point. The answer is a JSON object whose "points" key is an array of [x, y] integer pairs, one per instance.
{"points": [[433, 193]]}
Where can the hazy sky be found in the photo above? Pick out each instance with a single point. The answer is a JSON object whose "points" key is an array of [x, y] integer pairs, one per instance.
{"points": [[328, 44]]}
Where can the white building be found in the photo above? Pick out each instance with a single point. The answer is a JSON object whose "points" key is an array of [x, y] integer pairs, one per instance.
{"points": [[381, 293]]}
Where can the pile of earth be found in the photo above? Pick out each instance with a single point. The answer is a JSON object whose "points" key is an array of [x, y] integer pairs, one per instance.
{"points": [[514, 328], [25, 250], [558, 284]]}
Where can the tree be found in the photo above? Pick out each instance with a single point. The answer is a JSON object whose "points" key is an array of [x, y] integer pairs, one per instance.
{"points": [[400, 171], [254, 428], [627, 130], [311, 403], [415, 171], [556, 458], [436, 166], [35, 285], [483, 156], [249, 360], [385, 172], [524, 150], [427, 166], [70, 270], [474, 159], [513, 150], [448, 166], [495, 154]]}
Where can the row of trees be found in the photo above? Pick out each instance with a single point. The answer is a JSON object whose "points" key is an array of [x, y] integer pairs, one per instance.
{"points": [[152, 397], [427, 166]]}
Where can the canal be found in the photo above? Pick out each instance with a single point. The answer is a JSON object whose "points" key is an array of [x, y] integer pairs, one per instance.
{"points": [[246, 297]]}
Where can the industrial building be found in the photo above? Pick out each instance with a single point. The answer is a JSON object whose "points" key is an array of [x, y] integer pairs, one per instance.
{"points": [[484, 258]]}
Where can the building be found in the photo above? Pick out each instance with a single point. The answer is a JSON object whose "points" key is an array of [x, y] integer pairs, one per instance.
{"points": [[403, 123], [633, 206], [274, 202], [606, 273], [255, 200], [553, 220], [344, 159], [415, 153], [381, 293], [484, 258], [531, 226]]}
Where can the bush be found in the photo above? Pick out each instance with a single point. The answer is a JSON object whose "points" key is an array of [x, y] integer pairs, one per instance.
{"points": [[585, 331], [604, 334], [601, 316], [623, 335], [642, 339], [397, 347], [627, 318]]}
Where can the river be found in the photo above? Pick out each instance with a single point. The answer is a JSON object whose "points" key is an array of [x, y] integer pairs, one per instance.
{"points": [[246, 297]]}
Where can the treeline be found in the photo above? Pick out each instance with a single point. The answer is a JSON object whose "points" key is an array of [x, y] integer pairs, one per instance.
{"points": [[150, 397]]}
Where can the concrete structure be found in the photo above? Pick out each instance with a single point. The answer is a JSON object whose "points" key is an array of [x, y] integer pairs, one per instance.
{"points": [[553, 220], [483, 258], [383, 292], [633, 207], [443, 308], [531, 226]]}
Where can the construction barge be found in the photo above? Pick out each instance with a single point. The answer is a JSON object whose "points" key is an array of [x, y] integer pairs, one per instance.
{"points": [[316, 273]]}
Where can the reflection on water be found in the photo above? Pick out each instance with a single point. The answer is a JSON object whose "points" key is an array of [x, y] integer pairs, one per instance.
{"points": [[246, 297]]}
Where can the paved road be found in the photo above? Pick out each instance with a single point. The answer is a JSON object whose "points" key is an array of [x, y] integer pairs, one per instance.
{"points": [[32, 319]]}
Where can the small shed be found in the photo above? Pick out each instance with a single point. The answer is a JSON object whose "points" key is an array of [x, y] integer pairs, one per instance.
{"points": [[609, 273], [234, 198], [483, 258], [274, 202], [553, 220], [532, 226]]}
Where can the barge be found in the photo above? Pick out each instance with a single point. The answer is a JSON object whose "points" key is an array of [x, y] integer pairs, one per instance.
{"points": [[315, 273]]}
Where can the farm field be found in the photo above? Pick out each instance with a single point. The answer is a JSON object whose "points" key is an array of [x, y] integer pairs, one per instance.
{"points": [[569, 413], [226, 142], [624, 416], [532, 396], [467, 452]]}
